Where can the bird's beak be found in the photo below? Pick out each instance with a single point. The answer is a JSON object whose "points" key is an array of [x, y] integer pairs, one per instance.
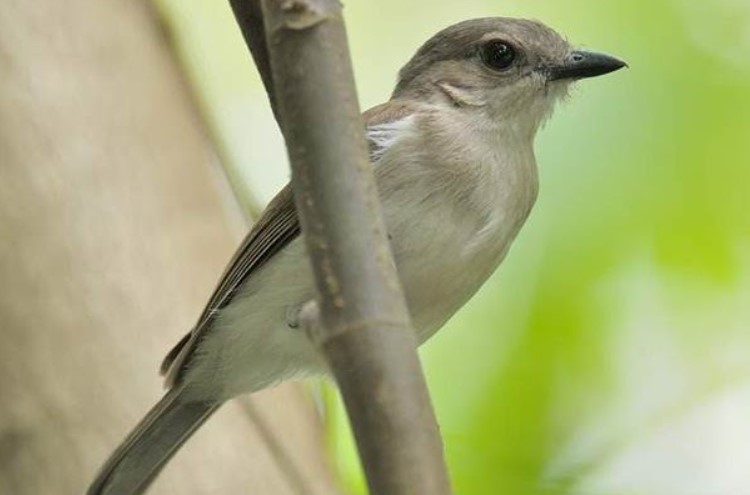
{"points": [[581, 64]]}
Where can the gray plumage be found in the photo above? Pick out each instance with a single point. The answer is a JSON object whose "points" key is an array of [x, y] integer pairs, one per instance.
{"points": [[454, 163]]}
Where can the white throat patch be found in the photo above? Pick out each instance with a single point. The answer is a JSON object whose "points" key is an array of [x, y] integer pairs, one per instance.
{"points": [[382, 136]]}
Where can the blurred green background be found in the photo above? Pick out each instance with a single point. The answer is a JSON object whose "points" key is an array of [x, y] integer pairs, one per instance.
{"points": [[609, 354]]}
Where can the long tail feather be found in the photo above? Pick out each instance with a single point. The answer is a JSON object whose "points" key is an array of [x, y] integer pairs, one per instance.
{"points": [[140, 458]]}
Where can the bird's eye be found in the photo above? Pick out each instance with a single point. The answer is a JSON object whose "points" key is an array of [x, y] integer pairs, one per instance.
{"points": [[497, 54]]}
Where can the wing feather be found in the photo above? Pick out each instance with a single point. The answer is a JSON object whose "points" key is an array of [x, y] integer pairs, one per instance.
{"points": [[276, 228]]}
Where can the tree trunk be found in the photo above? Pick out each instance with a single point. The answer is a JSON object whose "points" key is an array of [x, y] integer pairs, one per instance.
{"points": [[113, 230]]}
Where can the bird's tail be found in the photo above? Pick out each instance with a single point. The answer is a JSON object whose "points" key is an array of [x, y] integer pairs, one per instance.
{"points": [[137, 461]]}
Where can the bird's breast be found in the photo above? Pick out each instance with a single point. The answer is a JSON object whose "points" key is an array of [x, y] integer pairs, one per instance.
{"points": [[451, 225]]}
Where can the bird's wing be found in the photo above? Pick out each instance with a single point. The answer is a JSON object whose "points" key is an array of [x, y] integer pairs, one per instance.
{"points": [[277, 226]]}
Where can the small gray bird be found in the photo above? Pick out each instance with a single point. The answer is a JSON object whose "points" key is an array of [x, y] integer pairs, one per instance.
{"points": [[454, 161]]}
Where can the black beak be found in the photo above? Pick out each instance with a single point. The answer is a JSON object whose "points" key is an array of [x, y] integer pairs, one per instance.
{"points": [[580, 64]]}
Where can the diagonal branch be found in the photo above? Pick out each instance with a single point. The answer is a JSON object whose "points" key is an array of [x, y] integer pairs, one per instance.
{"points": [[364, 331], [249, 16]]}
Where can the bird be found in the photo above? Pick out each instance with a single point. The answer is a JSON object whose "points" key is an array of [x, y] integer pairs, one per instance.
{"points": [[452, 152]]}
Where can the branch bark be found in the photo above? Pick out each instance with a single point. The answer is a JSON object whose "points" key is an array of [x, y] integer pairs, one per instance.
{"points": [[364, 329], [249, 15]]}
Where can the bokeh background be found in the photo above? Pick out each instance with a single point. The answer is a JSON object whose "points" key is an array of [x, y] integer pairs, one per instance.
{"points": [[610, 352]]}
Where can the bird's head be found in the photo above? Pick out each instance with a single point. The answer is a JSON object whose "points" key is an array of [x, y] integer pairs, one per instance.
{"points": [[514, 70]]}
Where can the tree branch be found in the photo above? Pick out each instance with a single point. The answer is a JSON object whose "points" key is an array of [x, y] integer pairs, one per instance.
{"points": [[249, 16], [364, 329]]}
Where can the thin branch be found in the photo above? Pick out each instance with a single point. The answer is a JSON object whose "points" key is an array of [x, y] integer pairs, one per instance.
{"points": [[173, 32], [249, 16], [276, 448], [364, 329]]}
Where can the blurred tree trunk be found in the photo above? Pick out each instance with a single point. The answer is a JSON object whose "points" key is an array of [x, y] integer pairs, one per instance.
{"points": [[113, 229]]}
